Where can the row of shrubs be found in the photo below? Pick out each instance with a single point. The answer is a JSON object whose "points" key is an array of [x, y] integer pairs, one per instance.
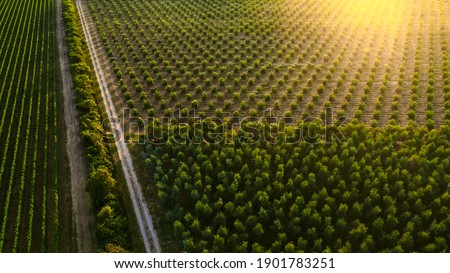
{"points": [[112, 224]]}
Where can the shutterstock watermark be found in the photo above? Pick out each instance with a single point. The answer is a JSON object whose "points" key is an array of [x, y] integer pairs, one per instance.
{"points": [[184, 127]]}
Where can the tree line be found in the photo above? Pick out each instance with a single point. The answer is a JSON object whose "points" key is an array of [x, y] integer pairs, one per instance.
{"points": [[112, 224]]}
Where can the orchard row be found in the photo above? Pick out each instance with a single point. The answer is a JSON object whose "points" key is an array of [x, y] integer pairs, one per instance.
{"points": [[379, 62]]}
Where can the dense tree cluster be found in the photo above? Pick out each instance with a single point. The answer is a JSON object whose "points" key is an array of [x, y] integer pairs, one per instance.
{"points": [[379, 190], [112, 224]]}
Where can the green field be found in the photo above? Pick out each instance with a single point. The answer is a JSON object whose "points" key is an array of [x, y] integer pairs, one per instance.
{"points": [[256, 125], [34, 209], [243, 182]]}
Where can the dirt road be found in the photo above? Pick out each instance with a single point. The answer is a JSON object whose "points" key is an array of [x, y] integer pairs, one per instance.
{"points": [[143, 216], [83, 216]]}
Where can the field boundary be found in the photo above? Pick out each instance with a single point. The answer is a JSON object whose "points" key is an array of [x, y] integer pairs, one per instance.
{"points": [[143, 216], [82, 204]]}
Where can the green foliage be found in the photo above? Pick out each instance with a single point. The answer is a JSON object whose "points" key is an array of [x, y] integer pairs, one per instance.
{"points": [[382, 189], [112, 225]]}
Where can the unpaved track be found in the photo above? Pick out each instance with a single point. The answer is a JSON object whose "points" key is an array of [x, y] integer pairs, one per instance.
{"points": [[83, 216], [143, 216]]}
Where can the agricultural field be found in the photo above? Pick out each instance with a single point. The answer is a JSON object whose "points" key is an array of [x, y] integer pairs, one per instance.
{"points": [[376, 181], [378, 62], [35, 210]]}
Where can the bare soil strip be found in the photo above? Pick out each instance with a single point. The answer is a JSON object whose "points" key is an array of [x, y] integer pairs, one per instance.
{"points": [[143, 216], [83, 216]]}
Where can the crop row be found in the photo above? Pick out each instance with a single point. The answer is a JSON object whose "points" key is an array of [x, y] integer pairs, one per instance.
{"points": [[28, 96]]}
